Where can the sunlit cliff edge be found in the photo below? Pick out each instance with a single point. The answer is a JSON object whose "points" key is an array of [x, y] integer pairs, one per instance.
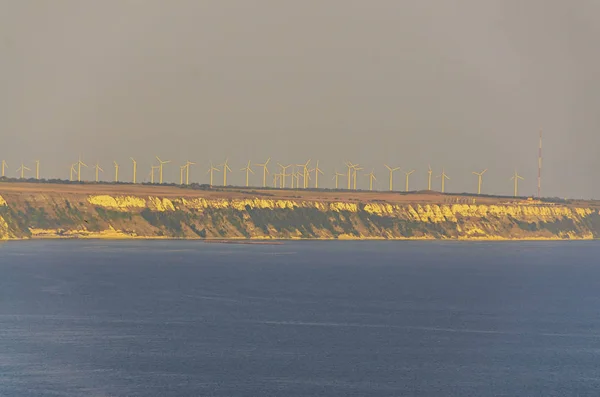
{"points": [[30, 214]]}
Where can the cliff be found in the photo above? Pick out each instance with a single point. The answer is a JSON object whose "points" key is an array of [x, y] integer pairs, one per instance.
{"points": [[39, 214]]}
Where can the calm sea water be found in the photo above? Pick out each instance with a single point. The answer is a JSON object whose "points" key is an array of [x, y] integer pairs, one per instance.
{"points": [[83, 318]]}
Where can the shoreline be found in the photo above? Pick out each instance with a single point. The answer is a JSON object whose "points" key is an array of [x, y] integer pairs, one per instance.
{"points": [[280, 241]]}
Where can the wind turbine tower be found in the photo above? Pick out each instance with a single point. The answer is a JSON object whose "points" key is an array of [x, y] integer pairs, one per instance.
{"points": [[408, 174], [4, 165], [225, 169], [116, 171], [371, 176], [336, 177], [187, 171], [299, 174], [248, 171], [134, 168], [152, 168], [480, 178], [317, 170], [305, 176], [293, 176], [37, 169], [356, 169], [283, 174], [210, 171], [160, 169], [79, 164], [265, 171], [22, 170], [72, 171], [391, 175], [516, 178], [97, 167], [444, 177], [181, 171], [430, 172], [350, 166]]}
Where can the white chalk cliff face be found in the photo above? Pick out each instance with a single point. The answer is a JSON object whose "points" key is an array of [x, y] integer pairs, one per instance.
{"points": [[68, 215]]}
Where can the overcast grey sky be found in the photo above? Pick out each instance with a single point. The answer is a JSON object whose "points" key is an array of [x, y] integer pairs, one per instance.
{"points": [[463, 84]]}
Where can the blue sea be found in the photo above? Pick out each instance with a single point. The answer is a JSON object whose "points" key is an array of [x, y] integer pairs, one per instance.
{"points": [[183, 318]]}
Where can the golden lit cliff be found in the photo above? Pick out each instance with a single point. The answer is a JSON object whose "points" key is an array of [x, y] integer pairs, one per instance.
{"points": [[36, 215]]}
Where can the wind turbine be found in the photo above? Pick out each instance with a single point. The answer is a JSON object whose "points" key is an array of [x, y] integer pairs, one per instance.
{"points": [[152, 168], [444, 177], [160, 171], [22, 170], [297, 176], [248, 171], [304, 173], [356, 169], [317, 170], [350, 166], [408, 174], [275, 176], [391, 175], [283, 174], [210, 171], [79, 164], [516, 178], [430, 172], [225, 169], [134, 168], [480, 179], [187, 171], [97, 167], [37, 169], [73, 170], [371, 176], [4, 165], [181, 170], [293, 176], [265, 171], [336, 177], [308, 172], [116, 171]]}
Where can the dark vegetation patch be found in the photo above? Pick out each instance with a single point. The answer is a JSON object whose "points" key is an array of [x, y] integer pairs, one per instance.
{"points": [[171, 221], [559, 226], [112, 215], [16, 220]]}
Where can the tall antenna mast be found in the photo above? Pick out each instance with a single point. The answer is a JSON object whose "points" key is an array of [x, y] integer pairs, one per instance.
{"points": [[539, 189]]}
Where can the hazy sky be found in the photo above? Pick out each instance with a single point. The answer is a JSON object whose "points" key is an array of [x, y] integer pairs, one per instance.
{"points": [[462, 84]]}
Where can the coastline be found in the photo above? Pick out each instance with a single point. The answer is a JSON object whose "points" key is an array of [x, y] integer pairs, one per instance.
{"points": [[42, 212], [279, 241]]}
